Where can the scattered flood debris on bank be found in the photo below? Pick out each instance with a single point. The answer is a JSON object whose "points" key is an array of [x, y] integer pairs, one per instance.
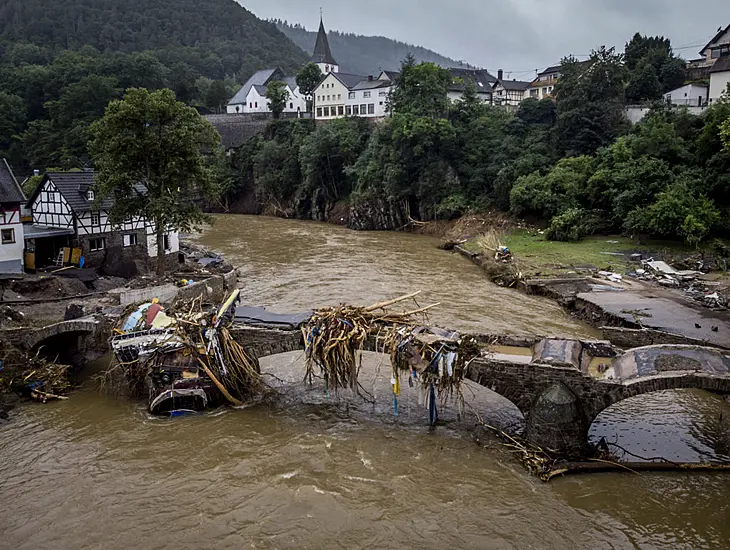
{"points": [[34, 377], [431, 358], [185, 360]]}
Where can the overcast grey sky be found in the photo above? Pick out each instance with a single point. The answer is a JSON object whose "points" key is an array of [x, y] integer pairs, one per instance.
{"points": [[517, 35]]}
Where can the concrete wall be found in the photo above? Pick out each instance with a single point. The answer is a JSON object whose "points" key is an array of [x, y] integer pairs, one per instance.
{"points": [[636, 113], [211, 290]]}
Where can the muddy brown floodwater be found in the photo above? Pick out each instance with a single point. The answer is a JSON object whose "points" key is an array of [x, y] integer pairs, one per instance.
{"points": [[308, 472]]}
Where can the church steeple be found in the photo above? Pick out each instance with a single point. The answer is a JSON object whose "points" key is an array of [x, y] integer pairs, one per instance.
{"points": [[322, 53]]}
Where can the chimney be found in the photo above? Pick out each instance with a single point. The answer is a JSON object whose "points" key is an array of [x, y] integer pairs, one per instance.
{"points": [[36, 172], [370, 78], [500, 74]]}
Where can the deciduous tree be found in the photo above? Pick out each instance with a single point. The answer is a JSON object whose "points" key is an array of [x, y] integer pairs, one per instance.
{"points": [[308, 78], [149, 152], [277, 94]]}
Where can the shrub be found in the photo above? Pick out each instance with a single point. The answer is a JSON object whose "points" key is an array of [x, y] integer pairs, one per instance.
{"points": [[573, 224]]}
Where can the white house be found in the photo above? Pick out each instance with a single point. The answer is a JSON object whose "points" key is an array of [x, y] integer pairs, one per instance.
{"points": [[690, 95], [251, 98], [509, 93], [480, 78], [369, 98], [66, 213], [719, 78], [333, 94], [12, 241]]}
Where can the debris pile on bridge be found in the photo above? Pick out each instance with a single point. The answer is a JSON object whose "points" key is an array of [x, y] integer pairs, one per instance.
{"points": [[433, 358], [187, 360], [34, 376]]}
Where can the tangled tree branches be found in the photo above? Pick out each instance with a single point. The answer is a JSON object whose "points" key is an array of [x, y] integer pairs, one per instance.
{"points": [[32, 376]]}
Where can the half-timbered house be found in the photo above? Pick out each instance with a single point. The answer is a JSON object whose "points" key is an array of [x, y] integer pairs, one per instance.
{"points": [[11, 226], [66, 203]]}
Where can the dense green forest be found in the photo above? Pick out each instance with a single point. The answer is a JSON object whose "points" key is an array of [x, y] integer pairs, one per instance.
{"points": [[575, 163], [364, 55], [62, 61]]}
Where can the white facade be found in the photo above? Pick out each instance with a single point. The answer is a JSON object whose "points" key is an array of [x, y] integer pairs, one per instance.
{"points": [[368, 103], [691, 95], [258, 103], [719, 82], [12, 241], [507, 96], [539, 90], [330, 98], [484, 97]]}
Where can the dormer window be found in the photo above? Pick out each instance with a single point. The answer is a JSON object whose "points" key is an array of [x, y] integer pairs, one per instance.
{"points": [[90, 195]]}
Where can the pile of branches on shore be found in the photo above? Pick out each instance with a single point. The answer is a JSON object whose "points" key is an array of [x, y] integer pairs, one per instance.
{"points": [[434, 358], [32, 376]]}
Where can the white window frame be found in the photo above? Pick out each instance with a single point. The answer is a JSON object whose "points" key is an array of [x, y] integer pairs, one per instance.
{"points": [[130, 239], [95, 219], [366, 95], [90, 196]]}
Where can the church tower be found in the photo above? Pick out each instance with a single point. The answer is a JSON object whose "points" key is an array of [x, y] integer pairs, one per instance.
{"points": [[322, 54]]}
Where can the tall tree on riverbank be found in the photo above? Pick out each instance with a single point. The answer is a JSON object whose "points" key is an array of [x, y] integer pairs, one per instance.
{"points": [[149, 154]]}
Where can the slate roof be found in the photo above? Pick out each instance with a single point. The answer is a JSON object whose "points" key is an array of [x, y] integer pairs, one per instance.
{"points": [[235, 130], [480, 77], [373, 84], [322, 52], [349, 80], [551, 70], [73, 187], [515, 85], [10, 191], [721, 65], [714, 39], [261, 78], [261, 89], [391, 74], [291, 81]]}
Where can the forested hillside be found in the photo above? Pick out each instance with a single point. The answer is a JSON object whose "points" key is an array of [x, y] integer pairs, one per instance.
{"points": [[62, 61], [363, 55]]}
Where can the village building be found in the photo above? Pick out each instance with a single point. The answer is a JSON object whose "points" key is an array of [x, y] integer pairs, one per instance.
{"points": [[717, 48], [251, 98], [67, 214], [12, 239], [544, 84], [334, 92], [719, 78], [322, 55], [482, 80], [690, 95], [509, 93]]}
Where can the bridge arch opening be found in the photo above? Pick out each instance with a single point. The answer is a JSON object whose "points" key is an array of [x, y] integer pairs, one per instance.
{"points": [[681, 425], [65, 348]]}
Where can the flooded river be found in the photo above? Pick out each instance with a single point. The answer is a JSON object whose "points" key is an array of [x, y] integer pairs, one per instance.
{"points": [[98, 472]]}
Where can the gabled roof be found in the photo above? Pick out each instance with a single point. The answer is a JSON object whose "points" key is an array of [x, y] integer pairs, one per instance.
{"points": [[551, 70], [721, 65], [347, 80], [392, 75], [479, 77], [10, 191], [514, 85], [261, 89], [322, 52], [714, 39], [373, 84], [261, 78], [291, 81], [73, 186]]}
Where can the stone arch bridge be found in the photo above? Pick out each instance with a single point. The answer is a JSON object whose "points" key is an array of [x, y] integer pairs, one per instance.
{"points": [[562, 385]]}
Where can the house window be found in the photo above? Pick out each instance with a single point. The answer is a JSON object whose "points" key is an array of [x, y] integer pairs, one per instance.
{"points": [[348, 110], [130, 240], [291, 105], [326, 111], [340, 110], [95, 218], [256, 104], [382, 94], [366, 94], [166, 242], [8, 236], [90, 195], [250, 105], [339, 97], [351, 95], [328, 98], [371, 109], [363, 109], [533, 93], [319, 112], [356, 110], [97, 244]]}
